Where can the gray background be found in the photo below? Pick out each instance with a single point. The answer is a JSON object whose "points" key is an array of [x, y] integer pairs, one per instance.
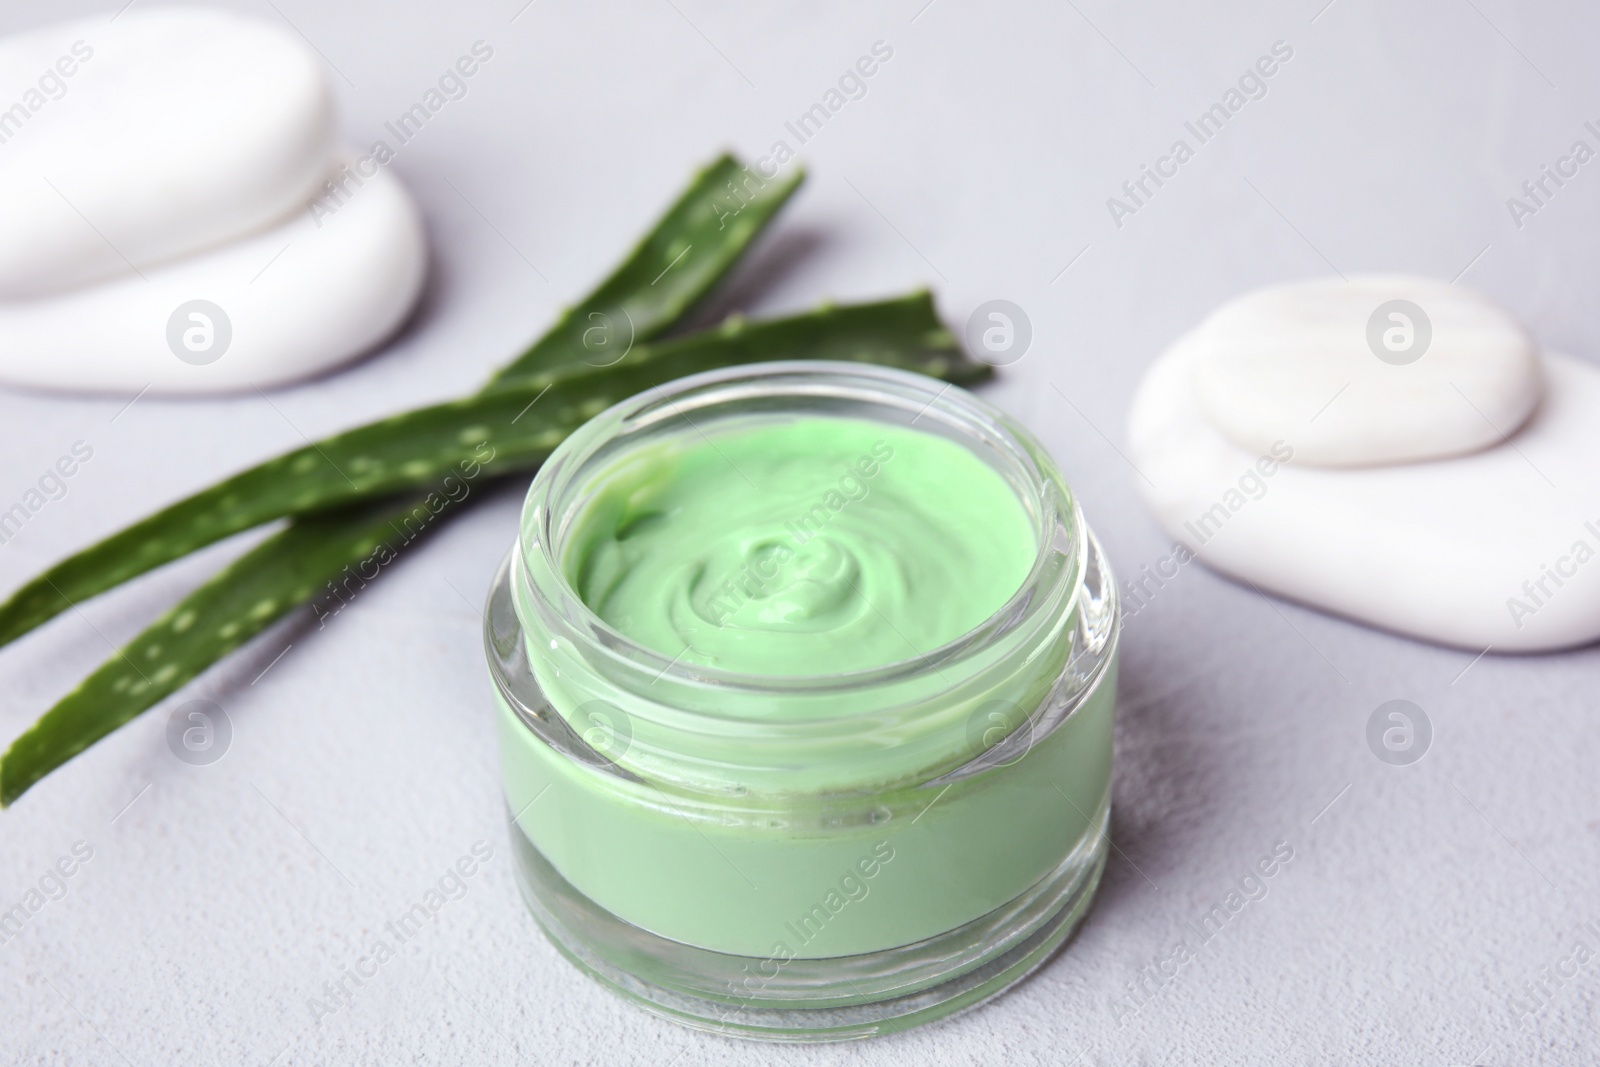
{"points": [[1420, 898]]}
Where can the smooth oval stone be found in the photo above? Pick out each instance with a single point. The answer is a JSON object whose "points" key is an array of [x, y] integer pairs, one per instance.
{"points": [[1374, 370], [283, 304], [177, 129], [1497, 548]]}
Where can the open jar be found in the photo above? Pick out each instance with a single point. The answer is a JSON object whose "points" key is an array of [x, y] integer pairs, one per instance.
{"points": [[806, 856]]}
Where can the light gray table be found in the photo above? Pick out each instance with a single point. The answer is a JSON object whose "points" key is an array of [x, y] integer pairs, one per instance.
{"points": [[1420, 899]]}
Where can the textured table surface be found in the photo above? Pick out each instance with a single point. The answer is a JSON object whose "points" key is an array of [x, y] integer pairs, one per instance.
{"points": [[1421, 900]]}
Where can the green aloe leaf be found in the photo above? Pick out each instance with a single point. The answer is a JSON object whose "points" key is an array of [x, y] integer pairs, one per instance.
{"points": [[699, 238], [510, 428]]}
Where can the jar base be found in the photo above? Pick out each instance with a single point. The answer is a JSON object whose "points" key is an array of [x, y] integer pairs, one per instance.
{"points": [[826, 1000]]}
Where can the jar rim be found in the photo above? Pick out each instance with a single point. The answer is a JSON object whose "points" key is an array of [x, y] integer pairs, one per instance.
{"points": [[1053, 509]]}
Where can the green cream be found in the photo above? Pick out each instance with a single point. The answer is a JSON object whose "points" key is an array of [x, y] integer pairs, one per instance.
{"points": [[747, 877], [815, 545], [816, 625]]}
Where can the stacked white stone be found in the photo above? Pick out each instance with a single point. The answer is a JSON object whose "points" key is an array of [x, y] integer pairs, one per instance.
{"points": [[157, 173], [1393, 449]]}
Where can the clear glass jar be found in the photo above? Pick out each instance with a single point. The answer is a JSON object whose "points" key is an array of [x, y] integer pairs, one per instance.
{"points": [[807, 858]]}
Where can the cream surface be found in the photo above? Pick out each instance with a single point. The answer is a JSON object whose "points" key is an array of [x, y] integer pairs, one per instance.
{"points": [[809, 546]]}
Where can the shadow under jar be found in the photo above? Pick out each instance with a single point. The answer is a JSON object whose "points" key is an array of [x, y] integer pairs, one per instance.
{"points": [[808, 856]]}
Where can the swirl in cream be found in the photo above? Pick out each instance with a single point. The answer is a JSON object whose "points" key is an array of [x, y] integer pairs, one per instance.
{"points": [[799, 547]]}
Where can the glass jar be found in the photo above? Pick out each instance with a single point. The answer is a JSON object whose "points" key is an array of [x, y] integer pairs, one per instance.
{"points": [[819, 857]]}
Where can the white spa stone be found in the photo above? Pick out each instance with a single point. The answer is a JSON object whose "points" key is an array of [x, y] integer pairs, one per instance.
{"points": [[295, 300], [1354, 379], [1497, 548], [175, 130]]}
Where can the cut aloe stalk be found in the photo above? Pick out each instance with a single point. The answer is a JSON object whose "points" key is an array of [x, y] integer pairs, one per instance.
{"points": [[699, 238], [338, 493]]}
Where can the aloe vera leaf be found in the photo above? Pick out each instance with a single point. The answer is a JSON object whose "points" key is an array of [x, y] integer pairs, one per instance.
{"points": [[645, 296], [699, 238], [239, 602], [509, 428], [671, 270], [289, 567]]}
